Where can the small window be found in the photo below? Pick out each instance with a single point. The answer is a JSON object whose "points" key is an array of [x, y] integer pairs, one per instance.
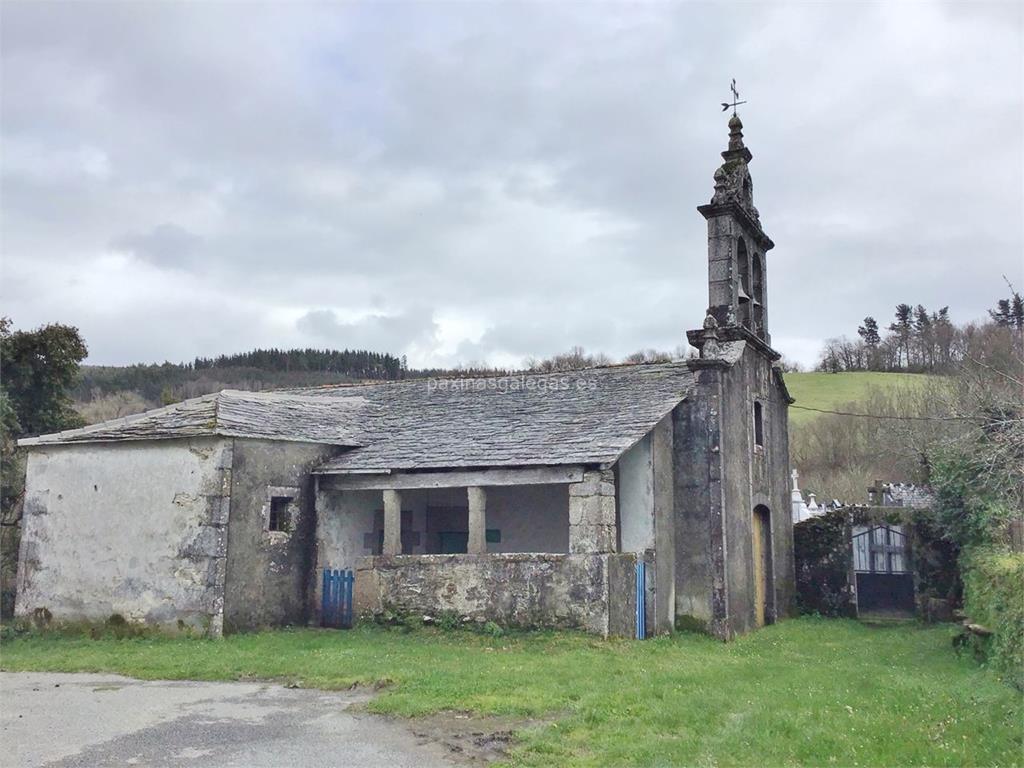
{"points": [[493, 536], [279, 513], [758, 426]]}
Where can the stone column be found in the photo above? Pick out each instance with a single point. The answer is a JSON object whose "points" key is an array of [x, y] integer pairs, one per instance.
{"points": [[392, 522], [477, 544], [592, 526]]}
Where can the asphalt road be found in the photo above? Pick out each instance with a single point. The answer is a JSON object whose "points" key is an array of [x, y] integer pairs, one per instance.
{"points": [[106, 720]]}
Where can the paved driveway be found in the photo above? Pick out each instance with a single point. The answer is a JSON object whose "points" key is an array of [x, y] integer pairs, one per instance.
{"points": [[106, 720]]}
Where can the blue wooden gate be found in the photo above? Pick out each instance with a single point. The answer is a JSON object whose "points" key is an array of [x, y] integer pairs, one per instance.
{"points": [[641, 600], [336, 602]]}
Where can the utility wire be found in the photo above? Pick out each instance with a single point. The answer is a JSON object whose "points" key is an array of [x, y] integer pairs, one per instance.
{"points": [[876, 416]]}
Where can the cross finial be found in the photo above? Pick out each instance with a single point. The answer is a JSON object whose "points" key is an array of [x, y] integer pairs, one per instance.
{"points": [[735, 99]]}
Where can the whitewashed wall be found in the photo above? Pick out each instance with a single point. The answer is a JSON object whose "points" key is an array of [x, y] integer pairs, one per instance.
{"points": [[136, 529], [636, 497]]}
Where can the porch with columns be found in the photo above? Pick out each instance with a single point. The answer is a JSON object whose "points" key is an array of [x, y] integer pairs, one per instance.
{"points": [[553, 565]]}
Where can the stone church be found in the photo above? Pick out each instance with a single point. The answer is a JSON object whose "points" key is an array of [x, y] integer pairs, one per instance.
{"points": [[524, 500]]}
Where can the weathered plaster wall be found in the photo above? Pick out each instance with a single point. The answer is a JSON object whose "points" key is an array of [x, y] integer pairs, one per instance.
{"points": [[636, 497], [136, 529], [697, 498], [344, 521], [751, 477], [590, 592], [269, 572], [662, 603], [720, 478]]}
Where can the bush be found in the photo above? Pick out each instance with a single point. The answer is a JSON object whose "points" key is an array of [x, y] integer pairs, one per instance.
{"points": [[822, 553], [116, 627], [994, 597]]}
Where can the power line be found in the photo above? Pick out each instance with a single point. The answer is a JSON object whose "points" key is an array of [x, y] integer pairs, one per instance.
{"points": [[877, 416]]}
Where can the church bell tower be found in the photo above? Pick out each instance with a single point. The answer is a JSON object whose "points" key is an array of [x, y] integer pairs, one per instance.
{"points": [[737, 286]]}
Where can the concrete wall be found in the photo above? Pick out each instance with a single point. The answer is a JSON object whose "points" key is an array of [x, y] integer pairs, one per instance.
{"points": [[269, 572], [645, 483], [635, 484], [136, 529], [590, 592]]}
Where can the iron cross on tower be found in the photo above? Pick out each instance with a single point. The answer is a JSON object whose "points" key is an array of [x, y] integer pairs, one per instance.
{"points": [[735, 99]]}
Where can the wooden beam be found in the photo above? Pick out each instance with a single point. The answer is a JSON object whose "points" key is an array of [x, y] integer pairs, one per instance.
{"points": [[456, 479]]}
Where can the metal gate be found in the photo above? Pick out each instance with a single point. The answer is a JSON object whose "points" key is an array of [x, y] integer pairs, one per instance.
{"points": [[880, 563], [641, 600], [336, 600]]}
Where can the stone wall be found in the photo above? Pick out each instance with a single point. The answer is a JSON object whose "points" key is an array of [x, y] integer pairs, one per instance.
{"points": [[592, 592], [592, 514], [755, 476], [721, 475], [136, 529], [269, 572]]}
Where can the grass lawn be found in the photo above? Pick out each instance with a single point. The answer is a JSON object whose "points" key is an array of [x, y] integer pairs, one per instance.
{"points": [[804, 692], [831, 390]]}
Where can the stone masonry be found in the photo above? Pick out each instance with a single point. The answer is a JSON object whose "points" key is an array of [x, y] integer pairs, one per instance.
{"points": [[592, 514]]}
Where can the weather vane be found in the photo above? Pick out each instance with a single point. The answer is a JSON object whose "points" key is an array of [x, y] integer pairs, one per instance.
{"points": [[735, 99]]}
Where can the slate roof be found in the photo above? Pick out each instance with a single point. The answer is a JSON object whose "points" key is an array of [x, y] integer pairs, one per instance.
{"points": [[230, 413], [581, 417]]}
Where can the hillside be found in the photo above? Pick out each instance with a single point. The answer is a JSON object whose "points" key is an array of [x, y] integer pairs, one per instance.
{"points": [[840, 456], [832, 391]]}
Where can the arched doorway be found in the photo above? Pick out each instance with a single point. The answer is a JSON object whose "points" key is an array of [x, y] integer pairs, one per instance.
{"points": [[762, 551]]}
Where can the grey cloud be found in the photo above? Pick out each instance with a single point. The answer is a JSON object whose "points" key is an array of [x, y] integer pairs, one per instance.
{"points": [[536, 168], [385, 333], [166, 245]]}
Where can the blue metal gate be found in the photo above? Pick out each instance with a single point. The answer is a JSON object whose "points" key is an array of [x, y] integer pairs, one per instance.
{"points": [[641, 600], [336, 601]]}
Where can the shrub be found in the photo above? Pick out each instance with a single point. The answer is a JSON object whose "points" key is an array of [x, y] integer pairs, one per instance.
{"points": [[822, 553], [448, 621], [994, 597], [493, 629]]}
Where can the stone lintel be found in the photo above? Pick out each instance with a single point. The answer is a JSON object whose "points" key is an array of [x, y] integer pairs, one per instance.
{"points": [[453, 479]]}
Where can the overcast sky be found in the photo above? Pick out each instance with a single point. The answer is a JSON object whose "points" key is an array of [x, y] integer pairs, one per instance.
{"points": [[479, 182]]}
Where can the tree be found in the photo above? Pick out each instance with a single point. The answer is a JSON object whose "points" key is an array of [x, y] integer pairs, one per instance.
{"points": [[647, 356], [1009, 312], [871, 338], [869, 332], [944, 334], [40, 368], [977, 474], [903, 328], [573, 360], [841, 354], [923, 336]]}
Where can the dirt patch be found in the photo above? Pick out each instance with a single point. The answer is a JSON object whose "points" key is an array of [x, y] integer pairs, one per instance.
{"points": [[470, 739]]}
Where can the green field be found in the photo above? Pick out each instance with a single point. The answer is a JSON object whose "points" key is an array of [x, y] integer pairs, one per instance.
{"points": [[803, 692], [830, 391]]}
